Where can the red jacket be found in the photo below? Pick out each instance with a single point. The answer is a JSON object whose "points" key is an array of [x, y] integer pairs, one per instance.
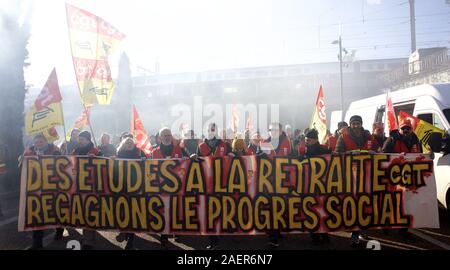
{"points": [[331, 142], [51, 150], [177, 152], [221, 150], [284, 147], [400, 147], [351, 145]]}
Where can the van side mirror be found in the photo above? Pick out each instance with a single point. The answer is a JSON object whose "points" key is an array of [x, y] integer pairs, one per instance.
{"points": [[435, 142]]}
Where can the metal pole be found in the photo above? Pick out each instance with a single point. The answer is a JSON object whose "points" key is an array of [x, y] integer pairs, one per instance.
{"points": [[412, 22], [341, 75]]}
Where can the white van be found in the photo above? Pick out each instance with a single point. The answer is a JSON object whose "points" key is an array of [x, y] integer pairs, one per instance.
{"points": [[430, 102]]}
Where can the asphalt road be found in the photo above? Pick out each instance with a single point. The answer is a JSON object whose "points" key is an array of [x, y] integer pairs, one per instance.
{"points": [[418, 239]]}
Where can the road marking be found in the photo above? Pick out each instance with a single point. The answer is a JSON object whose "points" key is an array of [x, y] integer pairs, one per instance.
{"points": [[396, 244], [8, 221], [381, 240], [434, 233], [430, 239], [181, 245]]}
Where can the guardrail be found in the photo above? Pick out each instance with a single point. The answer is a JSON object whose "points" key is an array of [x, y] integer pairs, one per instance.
{"points": [[428, 65]]}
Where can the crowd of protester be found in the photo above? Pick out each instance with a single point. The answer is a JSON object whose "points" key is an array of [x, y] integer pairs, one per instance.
{"points": [[280, 142]]}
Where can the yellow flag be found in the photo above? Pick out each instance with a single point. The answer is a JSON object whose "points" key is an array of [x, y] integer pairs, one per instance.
{"points": [[92, 41], [46, 118], [421, 128]]}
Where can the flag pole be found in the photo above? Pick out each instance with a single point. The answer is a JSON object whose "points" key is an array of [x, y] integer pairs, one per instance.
{"points": [[79, 90], [64, 124], [386, 125]]}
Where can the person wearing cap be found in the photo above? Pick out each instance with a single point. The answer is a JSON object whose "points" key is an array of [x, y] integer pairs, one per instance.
{"points": [[42, 147], [86, 147], [354, 138], [402, 141], [378, 136], [312, 147]]}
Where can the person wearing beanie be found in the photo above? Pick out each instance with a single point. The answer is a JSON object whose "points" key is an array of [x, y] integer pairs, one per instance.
{"points": [[313, 148], [354, 138], [86, 147]]}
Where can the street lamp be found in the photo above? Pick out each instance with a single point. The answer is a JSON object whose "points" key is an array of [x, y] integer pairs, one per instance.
{"points": [[340, 71]]}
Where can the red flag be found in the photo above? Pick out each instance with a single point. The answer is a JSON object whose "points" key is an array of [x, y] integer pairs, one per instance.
{"points": [[50, 93], [390, 113], [138, 130], [319, 119], [249, 123], [234, 122], [81, 123]]}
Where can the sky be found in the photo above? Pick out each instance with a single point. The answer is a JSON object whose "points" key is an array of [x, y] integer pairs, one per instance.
{"points": [[201, 35]]}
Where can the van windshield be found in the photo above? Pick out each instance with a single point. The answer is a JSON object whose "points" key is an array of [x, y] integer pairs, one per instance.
{"points": [[447, 114]]}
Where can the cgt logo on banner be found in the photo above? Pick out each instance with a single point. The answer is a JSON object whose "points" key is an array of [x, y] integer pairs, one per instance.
{"points": [[245, 195]]}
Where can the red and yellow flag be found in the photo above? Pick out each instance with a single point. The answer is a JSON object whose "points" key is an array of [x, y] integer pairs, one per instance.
{"points": [[81, 123], [139, 133], [319, 119], [46, 111], [92, 41], [421, 128]]}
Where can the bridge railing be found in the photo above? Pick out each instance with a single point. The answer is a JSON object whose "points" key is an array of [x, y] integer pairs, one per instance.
{"points": [[426, 66]]}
